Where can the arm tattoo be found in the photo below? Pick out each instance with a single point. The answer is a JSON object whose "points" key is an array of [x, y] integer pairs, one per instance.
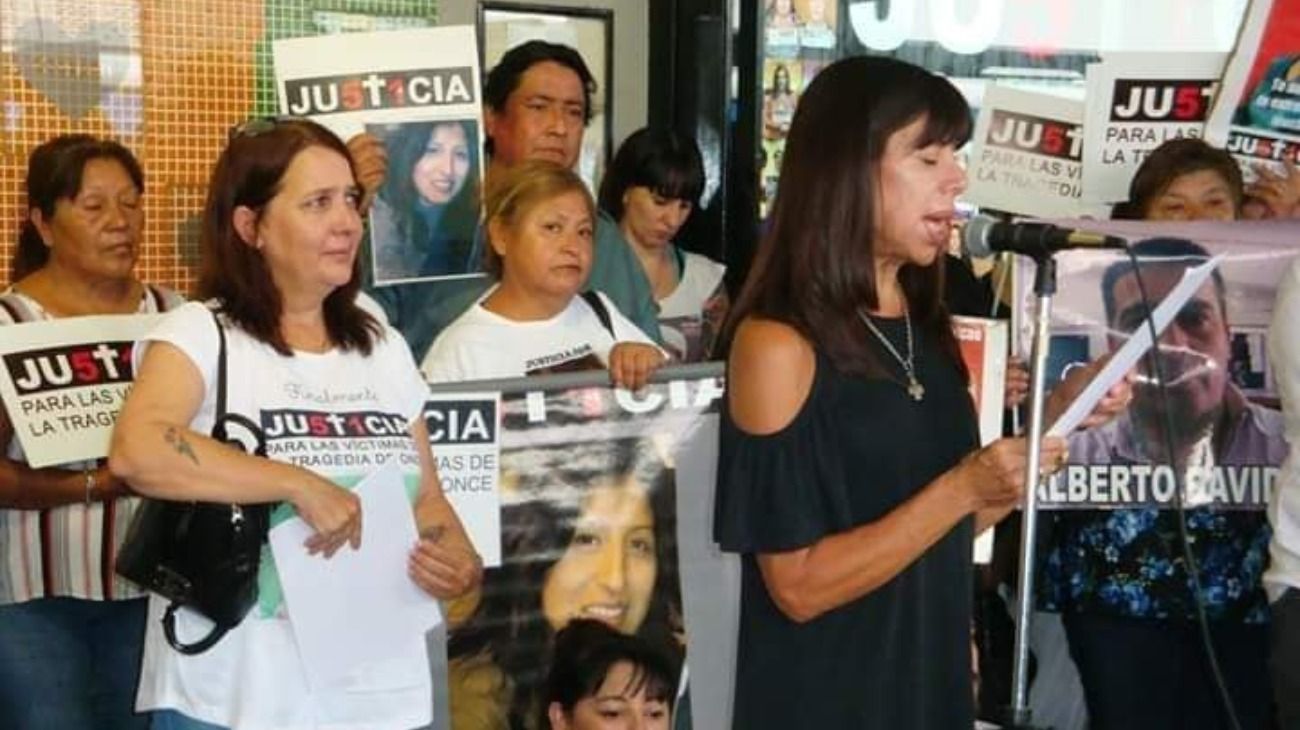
{"points": [[433, 533], [177, 440]]}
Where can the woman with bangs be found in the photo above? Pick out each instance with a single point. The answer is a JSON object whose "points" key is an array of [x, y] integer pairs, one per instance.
{"points": [[651, 189], [849, 477]]}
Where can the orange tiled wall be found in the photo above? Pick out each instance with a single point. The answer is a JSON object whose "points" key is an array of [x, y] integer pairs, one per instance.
{"points": [[165, 77]]}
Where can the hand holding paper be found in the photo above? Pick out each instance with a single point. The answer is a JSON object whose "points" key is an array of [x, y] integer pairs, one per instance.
{"points": [[354, 587]]}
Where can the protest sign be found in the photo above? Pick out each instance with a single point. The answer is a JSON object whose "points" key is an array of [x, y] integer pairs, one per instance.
{"points": [[64, 381], [1211, 357], [1027, 155], [1256, 114], [589, 483], [417, 92], [463, 435], [1134, 102]]}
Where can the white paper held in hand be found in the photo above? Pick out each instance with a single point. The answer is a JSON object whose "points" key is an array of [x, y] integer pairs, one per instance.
{"points": [[1123, 360], [358, 611]]}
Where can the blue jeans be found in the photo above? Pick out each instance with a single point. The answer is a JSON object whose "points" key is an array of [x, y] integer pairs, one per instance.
{"points": [[71, 663]]}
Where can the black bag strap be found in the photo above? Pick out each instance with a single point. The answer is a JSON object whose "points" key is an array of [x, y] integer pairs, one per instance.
{"points": [[198, 647], [597, 305], [218, 432]]}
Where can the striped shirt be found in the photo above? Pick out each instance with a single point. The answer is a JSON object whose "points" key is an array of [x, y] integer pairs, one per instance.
{"points": [[67, 550]]}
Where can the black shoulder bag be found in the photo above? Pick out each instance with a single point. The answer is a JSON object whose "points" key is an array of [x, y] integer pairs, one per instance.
{"points": [[201, 555]]}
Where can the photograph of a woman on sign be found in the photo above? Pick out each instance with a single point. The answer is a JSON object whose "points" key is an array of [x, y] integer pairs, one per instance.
{"points": [[587, 531], [423, 219], [780, 99]]}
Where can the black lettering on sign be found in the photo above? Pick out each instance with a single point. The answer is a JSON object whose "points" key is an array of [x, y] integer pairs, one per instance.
{"points": [[1245, 144], [1039, 135], [70, 366], [461, 422], [386, 90], [1141, 100], [288, 423]]}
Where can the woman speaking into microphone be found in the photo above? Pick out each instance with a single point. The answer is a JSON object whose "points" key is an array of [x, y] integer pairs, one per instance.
{"points": [[850, 477]]}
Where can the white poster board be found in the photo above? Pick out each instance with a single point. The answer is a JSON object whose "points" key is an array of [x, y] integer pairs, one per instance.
{"points": [[1027, 155], [64, 381], [1134, 103], [463, 433], [418, 92]]}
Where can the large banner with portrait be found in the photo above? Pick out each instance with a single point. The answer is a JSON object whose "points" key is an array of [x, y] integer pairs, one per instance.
{"points": [[1113, 533], [590, 485], [417, 92], [1213, 358]]}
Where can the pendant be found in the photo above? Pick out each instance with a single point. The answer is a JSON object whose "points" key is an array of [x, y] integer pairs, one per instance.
{"points": [[915, 389]]}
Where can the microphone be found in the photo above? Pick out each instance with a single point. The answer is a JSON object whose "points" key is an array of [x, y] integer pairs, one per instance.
{"points": [[983, 236]]}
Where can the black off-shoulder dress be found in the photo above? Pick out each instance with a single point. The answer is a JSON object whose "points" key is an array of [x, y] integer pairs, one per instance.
{"points": [[899, 657]]}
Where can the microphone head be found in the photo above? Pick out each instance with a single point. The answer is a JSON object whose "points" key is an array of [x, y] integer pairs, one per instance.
{"points": [[975, 236]]}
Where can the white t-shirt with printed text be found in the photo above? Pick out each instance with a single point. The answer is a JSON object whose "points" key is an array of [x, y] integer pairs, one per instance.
{"points": [[482, 345], [339, 414]]}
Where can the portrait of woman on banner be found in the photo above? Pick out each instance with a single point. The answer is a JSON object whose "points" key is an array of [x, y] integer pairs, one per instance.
{"points": [[423, 219], [588, 531]]}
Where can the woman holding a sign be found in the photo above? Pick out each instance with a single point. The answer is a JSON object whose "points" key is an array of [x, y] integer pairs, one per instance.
{"points": [[335, 395], [540, 219], [71, 630], [850, 477]]}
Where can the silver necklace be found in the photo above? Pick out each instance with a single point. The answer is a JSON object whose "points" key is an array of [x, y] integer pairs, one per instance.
{"points": [[914, 387]]}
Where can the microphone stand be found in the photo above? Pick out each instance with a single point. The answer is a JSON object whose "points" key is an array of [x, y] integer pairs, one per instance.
{"points": [[1019, 714]]}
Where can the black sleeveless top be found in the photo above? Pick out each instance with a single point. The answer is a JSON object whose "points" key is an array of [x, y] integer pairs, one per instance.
{"points": [[898, 657]]}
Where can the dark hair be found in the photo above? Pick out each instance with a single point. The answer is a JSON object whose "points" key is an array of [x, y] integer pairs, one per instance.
{"points": [[1162, 252], [504, 77], [537, 527], [406, 144], [586, 650], [54, 171], [1172, 160], [815, 267], [248, 173], [512, 192], [661, 159]]}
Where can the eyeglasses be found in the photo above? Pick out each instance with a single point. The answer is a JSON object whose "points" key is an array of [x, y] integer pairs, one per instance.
{"points": [[258, 125]]}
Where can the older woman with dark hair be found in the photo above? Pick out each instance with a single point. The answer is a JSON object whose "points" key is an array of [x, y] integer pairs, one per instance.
{"points": [[72, 631], [600, 679], [651, 189], [1184, 179], [424, 218], [850, 477], [587, 532], [280, 238]]}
